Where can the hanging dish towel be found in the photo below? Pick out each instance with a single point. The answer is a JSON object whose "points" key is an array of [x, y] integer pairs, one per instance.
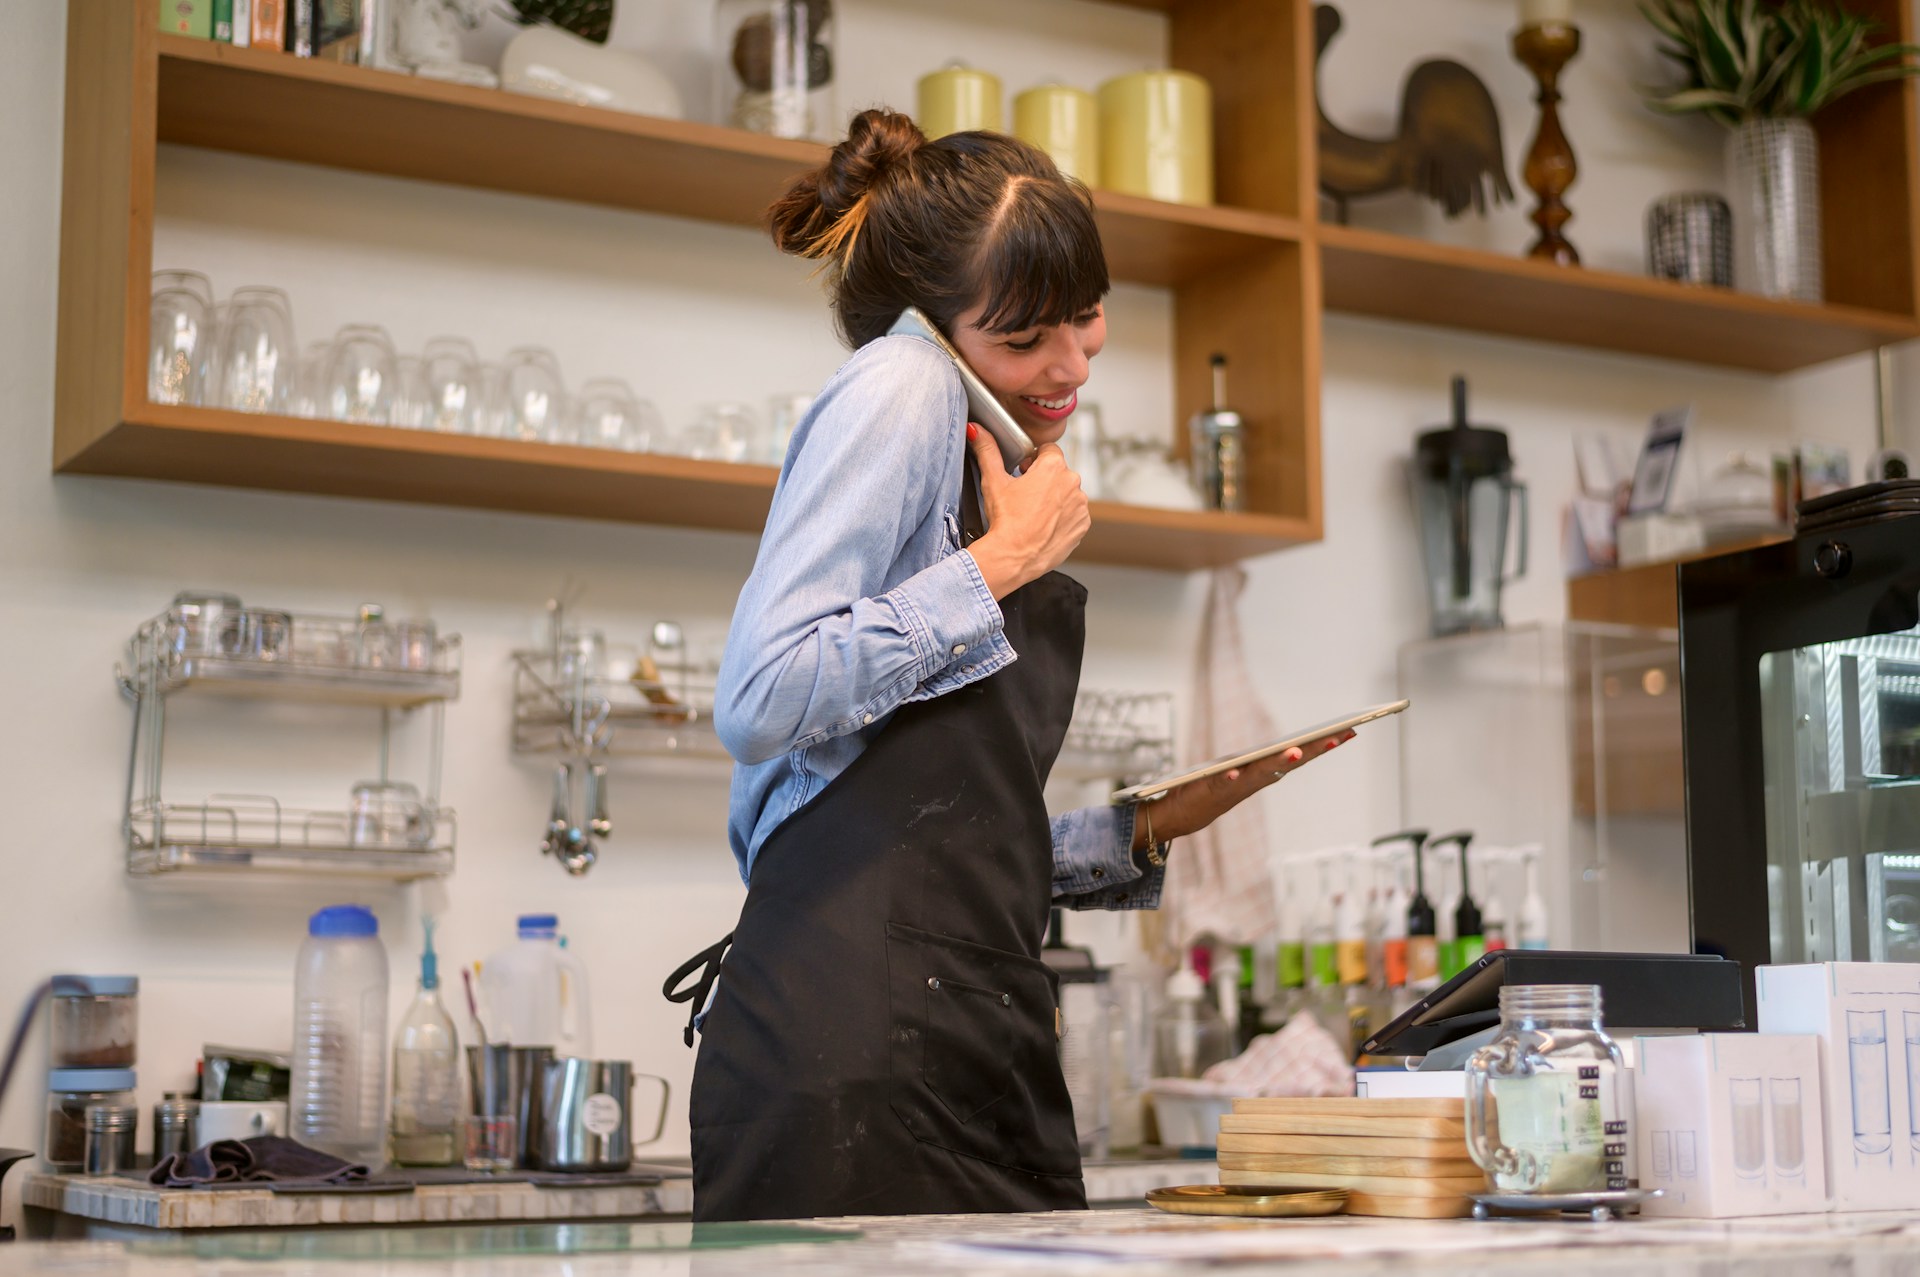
{"points": [[1217, 880]]}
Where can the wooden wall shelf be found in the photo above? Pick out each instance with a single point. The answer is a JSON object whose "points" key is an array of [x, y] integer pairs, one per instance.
{"points": [[1249, 278], [331, 458], [262, 102], [1393, 277]]}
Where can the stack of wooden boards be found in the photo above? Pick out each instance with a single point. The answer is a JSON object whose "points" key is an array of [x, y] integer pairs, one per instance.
{"points": [[1402, 1158]]}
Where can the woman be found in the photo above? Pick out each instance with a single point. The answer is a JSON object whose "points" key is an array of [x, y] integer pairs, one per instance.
{"points": [[897, 682]]}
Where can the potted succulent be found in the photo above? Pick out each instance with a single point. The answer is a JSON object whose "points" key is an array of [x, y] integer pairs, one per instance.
{"points": [[1762, 69]]}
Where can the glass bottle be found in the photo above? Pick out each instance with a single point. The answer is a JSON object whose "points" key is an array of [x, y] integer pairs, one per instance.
{"points": [[776, 72], [1189, 1035], [426, 1074], [1547, 1099]]}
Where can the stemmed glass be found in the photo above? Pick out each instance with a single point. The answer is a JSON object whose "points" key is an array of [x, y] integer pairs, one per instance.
{"points": [[179, 336], [254, 367], [607, 414], [362, 372], [535, 396]]}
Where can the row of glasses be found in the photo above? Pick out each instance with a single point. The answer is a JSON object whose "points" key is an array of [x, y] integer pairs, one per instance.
{"points": [[235, 354], [241, 354]]}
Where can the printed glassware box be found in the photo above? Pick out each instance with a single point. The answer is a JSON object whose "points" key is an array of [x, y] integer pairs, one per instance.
{"points": [[1867, 1017], [1730, 1124]]}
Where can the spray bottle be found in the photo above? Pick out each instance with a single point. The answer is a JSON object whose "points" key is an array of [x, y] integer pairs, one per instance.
{"points": [[1423, 950], [1535, 929], [1350, 920]]}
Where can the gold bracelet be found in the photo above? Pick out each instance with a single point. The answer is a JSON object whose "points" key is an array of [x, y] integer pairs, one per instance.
{"points": [[1155, 856]]}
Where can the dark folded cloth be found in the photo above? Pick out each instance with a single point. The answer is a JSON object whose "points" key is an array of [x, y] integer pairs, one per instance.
{"points": [[257, 1160]]}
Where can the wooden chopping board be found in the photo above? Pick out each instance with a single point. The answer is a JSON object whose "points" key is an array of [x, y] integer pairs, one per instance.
{"points": [[1339, 1164], [1452, 1129], [1252, 1135], [1264, 1171], [1456, 1109], [1384, 1205]]}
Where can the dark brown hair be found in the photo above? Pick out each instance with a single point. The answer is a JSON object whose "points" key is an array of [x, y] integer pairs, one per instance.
{"points": [[900, 221]]}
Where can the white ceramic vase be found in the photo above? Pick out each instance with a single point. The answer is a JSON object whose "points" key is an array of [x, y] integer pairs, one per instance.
{"points": [[1773, 168]]}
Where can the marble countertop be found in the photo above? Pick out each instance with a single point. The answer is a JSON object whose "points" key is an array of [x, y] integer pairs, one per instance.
{"points": [[1140, 1243], [135, 1204]]}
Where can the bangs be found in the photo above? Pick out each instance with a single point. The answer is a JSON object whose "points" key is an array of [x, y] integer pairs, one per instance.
{"points": [[1043, 264]]}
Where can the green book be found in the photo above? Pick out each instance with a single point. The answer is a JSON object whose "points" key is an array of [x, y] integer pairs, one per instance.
{"points": [[223, 21], [187, 17]]}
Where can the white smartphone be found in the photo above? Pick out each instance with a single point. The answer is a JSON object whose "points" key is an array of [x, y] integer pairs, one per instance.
{"points": [[982, 408]]}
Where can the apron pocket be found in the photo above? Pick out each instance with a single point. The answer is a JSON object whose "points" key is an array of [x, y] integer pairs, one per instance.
{"points": [[969, 1044], [974, 1060]]}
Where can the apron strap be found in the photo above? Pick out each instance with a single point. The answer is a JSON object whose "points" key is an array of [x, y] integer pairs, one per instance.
{"points": [[707, 963]]}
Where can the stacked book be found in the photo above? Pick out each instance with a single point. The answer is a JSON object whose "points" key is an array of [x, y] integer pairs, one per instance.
{"points": [[1402, 1158]]}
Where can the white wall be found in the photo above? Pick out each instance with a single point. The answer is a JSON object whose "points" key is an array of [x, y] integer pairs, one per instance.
{"points": [[693, 312]]}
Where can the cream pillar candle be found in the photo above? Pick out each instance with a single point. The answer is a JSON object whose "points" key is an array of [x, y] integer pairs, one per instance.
{"points": [[1065, 123], [957, 99], [1546, 13], [1156, 136]]}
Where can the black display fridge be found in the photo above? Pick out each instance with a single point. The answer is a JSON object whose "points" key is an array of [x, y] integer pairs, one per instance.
{"points": [[1800, 682]]}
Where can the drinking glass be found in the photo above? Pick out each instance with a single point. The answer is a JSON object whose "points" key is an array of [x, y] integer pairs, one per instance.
{"points": [[1911, 1021], [1789, 1126], [724, 432], [362, 372], [784, 413], [179, 336], [607, 414], [409, 393], [309, 397], [253, 370], [1749, 1128], [535, 396], [490, 414], [454, 393], [1867, 1071]]}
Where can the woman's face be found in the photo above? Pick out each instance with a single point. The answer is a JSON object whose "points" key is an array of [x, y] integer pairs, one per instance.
{"points": [[1036, 373]]}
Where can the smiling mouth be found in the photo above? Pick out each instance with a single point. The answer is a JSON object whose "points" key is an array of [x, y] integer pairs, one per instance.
{"points": [[1051, 405]]}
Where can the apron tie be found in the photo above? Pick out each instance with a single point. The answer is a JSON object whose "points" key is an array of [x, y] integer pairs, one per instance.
{"points": [[707, 963]]}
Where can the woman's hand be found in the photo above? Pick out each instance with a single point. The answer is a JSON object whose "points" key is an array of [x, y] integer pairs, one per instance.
{"points": [[1034, 520], [1197, 804]]}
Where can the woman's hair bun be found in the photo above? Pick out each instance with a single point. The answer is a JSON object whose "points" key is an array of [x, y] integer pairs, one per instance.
{"points": [[812, 219]]}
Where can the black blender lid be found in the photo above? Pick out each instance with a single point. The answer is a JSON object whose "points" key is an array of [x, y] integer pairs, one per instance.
{"points": [[1479, 451]]}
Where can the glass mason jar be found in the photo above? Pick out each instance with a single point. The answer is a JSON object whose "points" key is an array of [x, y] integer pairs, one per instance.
{"points": [[776, 72], [1548, 1104]]}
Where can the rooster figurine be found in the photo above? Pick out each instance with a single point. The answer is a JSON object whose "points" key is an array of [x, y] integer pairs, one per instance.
{"points": [[1448, 147]]}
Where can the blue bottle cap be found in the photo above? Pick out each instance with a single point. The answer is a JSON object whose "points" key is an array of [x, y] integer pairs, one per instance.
{"points": [[89, 1079], [344, 920], [96, 986], [539, 922]]}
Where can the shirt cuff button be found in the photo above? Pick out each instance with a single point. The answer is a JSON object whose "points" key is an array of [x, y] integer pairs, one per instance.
{"points": [[865, 719], [959, 649], [1098, 872]]}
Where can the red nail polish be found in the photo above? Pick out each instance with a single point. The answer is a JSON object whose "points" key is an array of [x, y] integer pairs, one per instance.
{"points": [[973, 431]]}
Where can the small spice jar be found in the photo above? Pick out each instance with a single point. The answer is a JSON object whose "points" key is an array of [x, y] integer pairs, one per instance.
{"points": [[175, 1115], [94, 1021], [69, 1093], [108, 1149]]}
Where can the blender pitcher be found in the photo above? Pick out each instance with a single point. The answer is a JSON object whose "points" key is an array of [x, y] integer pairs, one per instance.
{"points": [[1463, 490]]}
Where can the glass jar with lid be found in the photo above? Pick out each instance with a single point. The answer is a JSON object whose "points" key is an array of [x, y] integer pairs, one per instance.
{"points": [[93, 1021], [1548, 1109], [69, 1093], [776, 72]]}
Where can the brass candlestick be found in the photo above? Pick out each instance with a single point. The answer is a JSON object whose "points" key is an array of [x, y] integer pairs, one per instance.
{"points": [[1550, 170]]}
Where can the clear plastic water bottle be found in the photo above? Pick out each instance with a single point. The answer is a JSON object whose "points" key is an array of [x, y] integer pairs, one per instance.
{"points": [[339, 1086], [537, 991]]}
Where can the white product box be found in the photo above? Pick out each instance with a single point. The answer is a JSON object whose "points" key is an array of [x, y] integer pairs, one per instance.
{"points": [[1867, 1017], [1730, 1124], [1399, 1084]]}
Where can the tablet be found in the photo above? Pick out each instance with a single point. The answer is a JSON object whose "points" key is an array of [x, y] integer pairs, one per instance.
{"points": [[1333, 727]]}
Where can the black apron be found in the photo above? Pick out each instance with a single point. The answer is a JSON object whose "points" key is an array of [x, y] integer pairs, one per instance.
{"points": [[885, 1035]]}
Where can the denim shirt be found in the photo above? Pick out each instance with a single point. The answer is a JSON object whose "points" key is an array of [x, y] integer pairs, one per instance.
{"points": [[867, 510]]}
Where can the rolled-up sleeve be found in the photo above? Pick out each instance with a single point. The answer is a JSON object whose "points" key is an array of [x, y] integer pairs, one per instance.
{"points": [[1095, 866], [801, 663]]}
